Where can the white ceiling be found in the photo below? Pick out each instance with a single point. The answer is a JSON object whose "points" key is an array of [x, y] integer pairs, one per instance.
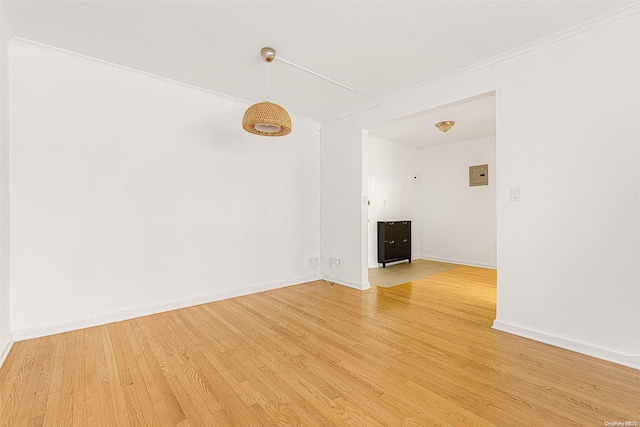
{"points": [[377, 47], [474, 118]]}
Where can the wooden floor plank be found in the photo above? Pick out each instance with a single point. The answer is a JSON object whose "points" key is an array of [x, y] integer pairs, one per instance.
{"points": [[90, 379], [418, 354], [79, 383], [42, 394], [154, 374], [33, 370], [107, 403], [9, 369]]}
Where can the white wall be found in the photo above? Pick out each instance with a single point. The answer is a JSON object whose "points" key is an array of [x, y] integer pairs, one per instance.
{"points": [[5, 303], [392, 193], [458, 222], [567, 133], [130, 194], [344, 206], [568, 253], [451, 221]]}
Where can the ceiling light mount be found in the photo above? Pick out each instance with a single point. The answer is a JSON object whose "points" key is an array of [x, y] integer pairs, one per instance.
{"points": [[268, 54], [445, 126]]}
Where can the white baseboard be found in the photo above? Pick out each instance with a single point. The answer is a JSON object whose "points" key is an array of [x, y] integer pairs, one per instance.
{"points": [[360, 286], [588, 350], [459, 261], [5, 348], [103, 319]]}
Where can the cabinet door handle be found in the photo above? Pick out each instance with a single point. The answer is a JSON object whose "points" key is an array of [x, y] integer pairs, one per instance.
{"points": [[404, 240], [391, 223], [391, 242], [404, 222]]}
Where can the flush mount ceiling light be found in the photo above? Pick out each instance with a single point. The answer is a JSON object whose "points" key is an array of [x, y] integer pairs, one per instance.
{"points": [[266, 118], [445, 126]]}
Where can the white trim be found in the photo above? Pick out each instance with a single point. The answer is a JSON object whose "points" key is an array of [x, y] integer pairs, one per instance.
{"points": [[377, 264], [586, 349], [321, 224], [5, 348], [25, 334], [360, 286], [402, 261], [546, 41], [127, 70], [459, 261], [448, 260], [115, 67]]}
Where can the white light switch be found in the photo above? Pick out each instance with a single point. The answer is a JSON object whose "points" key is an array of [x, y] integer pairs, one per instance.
{"points": [[516, 194]]}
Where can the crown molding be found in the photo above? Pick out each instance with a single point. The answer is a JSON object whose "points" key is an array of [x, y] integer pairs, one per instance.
{"points": [[18, 41], [116, 67], [617, 15]]}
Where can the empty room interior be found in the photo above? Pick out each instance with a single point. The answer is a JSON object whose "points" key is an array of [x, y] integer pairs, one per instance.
{"points": [[358, 213]]}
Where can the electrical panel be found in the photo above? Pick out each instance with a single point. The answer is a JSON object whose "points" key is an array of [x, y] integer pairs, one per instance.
{"points": [[478, 175]]}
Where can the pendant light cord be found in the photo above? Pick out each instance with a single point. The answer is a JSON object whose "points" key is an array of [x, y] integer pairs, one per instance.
{"points": [[322, 77], [266, 96]]}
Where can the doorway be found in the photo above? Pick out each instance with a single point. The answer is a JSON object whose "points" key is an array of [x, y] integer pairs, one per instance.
{"points": [[418, 173]]}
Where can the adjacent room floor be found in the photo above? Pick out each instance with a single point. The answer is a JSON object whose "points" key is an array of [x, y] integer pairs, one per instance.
{"points": [[417, 354], [404, 272]]}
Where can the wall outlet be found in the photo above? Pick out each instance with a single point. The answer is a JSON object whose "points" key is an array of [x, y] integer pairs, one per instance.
{"points": [[333, 261]]}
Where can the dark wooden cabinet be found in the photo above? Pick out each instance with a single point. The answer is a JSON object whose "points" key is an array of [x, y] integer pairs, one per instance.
{"points": [[394, 241]]}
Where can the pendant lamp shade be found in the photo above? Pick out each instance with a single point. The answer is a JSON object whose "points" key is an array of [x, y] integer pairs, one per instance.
{"points": [[267, 119]]}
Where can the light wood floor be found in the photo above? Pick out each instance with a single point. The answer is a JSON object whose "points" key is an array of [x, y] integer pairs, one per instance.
{"points": [[397, 274], [319, 355]]}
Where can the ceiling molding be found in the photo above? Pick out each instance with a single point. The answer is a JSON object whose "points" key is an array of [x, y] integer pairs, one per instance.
{"points": [[116, 67], [538, 44], [176, 44], [18, 41]]}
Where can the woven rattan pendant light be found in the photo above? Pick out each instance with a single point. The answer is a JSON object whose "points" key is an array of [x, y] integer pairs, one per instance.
{"points": [[266, 118]]}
